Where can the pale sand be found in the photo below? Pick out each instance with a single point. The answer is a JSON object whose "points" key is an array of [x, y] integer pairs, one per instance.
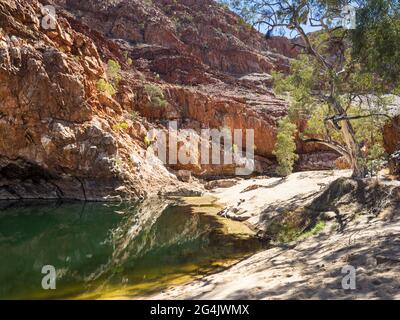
{"points": [[298, 188], [311, 269], [308, 269]]}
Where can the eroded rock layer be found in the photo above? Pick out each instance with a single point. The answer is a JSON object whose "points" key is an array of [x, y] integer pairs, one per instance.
{"points": [[58, 137], [193, 62]]}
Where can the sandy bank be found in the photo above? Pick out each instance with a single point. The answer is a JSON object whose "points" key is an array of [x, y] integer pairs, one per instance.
{"points": [[249, 200], [364, 234]]}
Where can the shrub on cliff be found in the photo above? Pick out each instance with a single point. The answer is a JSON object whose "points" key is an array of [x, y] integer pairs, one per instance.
{"points": [[156, 95], [285, 147], [121, 126], [128, 59], [104, 86], [113, 76], [114, 72]]}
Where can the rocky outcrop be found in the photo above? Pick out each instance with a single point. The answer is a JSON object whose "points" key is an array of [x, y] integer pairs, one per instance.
{"points": [[200, 29], [59, 135], [200, 44], [63, 137], [218, 96]]}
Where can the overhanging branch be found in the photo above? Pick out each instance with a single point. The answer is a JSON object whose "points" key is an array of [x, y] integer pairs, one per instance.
{"points": [[337, 118], [332, 145]]}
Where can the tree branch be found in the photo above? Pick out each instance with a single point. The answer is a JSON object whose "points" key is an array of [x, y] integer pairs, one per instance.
{"points": [[330, 144]]}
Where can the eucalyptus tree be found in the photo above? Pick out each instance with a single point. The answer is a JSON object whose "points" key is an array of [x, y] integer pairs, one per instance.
{"points": [[343, 74]]}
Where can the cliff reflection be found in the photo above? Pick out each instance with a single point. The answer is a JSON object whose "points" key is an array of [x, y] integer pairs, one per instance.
{"points": [[98, 249]]}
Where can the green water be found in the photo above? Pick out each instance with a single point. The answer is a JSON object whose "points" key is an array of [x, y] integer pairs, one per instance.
{"points": [[107, 251]]}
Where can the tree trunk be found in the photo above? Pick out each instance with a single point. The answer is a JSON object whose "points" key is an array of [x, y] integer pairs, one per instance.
{"points": [[353, 148], [359, 170]]}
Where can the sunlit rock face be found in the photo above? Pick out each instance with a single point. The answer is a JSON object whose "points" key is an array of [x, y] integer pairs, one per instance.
{"points": [[59, 134], [202, 45], [201, 30], [61, 137], [205, 46]]}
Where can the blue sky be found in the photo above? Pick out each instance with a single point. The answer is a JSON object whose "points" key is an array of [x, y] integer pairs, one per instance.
{"points": [[308, 28]]}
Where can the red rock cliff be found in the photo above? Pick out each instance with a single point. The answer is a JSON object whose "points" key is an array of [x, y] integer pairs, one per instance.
{"points": [[63, 138]]}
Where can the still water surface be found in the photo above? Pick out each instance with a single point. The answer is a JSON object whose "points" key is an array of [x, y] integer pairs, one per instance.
{"points": [[113, 251]]}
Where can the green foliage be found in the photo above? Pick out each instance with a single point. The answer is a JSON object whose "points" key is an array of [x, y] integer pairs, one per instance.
{"points": [[298, 85], [283, 232], [306, 79], [182, 21], [317, 228], [368, 131], [235, 148], [337, 69], [285, 147], [245, 8], [291, 228], [121, 126], [129, 60], [156, 95], [279, 82], [373, 47], [103, 86], [119, 163], [114, 72], [114, 77], [224, 6], [244, 24], [375, 160], [316, 127], [134, 115], [376, 40], [147, 141]]}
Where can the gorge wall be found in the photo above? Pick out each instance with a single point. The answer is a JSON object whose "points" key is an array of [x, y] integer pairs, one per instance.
{"points": [[58, 132], [62, 137]]}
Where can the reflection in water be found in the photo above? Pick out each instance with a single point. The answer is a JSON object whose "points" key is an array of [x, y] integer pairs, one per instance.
{"points": [[101, 250]]}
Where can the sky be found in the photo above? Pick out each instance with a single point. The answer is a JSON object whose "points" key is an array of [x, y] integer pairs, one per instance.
{"points": [[308, 28], [288, 34]]}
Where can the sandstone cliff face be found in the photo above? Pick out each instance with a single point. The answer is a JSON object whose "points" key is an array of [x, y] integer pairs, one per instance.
{"points": [[199, 29], [57, 132], [203, 45], [62, 138]]}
